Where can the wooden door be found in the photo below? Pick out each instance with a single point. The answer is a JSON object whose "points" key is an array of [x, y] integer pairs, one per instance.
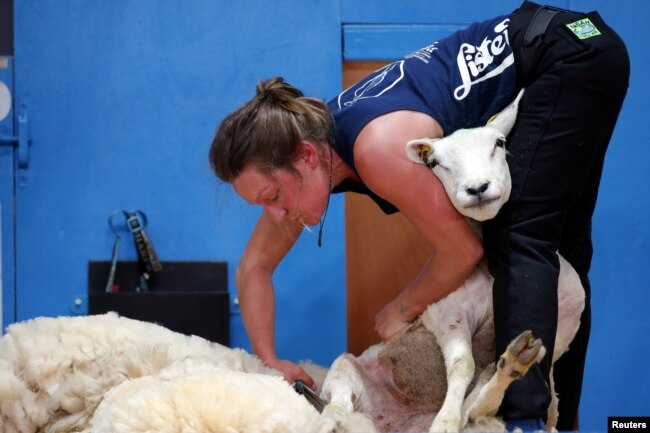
{"points": [[383, 252]]}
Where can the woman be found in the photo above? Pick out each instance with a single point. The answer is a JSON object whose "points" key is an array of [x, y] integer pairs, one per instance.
{"points": [[287, 153]]}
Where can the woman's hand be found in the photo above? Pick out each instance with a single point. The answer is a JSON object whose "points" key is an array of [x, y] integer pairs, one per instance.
{"points": [[291, 372], [393, 319]]}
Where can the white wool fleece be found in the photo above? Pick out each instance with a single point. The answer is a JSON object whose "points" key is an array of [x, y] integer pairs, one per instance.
{"points": [[55, 371], [212, 401]]}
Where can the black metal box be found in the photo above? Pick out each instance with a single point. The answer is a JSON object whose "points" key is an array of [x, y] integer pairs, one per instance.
{"points": [[185, 296]]}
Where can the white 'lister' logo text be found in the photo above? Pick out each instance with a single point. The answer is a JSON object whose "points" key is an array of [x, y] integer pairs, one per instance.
{"points": [[473, 60]]}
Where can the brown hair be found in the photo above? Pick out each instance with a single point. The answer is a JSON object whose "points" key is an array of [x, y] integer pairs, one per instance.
{"points": [[267, 130]]}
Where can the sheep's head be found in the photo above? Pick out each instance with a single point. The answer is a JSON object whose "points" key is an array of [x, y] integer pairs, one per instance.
{"points": [[471, 164]]}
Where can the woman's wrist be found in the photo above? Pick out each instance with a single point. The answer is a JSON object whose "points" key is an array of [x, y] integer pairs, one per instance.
{"points": [[271, 361], [265, 353], [407, 309]]}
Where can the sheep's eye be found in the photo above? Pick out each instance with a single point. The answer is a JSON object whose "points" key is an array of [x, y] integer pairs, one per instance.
{"points": [[500, 142], [432, 163]]}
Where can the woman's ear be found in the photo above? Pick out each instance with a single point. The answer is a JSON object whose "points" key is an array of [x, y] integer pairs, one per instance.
{"points": [[308, 154]]}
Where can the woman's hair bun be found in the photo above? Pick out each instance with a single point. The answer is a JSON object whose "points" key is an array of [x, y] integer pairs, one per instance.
{"points": [[276, 90]]}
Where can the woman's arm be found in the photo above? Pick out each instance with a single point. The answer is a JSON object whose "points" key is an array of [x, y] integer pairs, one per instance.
{"points": [[380, 156], [266, 247]]}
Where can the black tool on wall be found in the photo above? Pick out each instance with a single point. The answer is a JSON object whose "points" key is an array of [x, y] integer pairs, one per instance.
{"points": [[190, 297], [134, 222]]}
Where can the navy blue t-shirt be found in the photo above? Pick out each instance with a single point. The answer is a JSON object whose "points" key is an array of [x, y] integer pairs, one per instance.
{"points": [[460, 81]]}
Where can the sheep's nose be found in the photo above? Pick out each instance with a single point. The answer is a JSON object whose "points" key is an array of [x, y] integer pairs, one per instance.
{"points": [[478, 190]]}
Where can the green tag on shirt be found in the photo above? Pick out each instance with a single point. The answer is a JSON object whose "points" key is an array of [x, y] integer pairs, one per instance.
{"points": [[583, 28]]}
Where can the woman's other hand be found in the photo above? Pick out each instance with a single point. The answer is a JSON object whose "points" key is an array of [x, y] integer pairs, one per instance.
{"points": [[392, 319], [291, 372]]}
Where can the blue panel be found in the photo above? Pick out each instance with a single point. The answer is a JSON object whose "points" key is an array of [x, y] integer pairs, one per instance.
{"points": [[388, 30], [428, 11], [124, 98], [389, 42], [7, 286]]}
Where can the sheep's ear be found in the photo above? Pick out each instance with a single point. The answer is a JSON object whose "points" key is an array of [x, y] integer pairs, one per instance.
{"points": [[505, 120], [419, 150]]}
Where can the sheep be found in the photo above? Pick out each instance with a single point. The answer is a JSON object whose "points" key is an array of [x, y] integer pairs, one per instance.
{"points": [[107, 373], [419, 380]]}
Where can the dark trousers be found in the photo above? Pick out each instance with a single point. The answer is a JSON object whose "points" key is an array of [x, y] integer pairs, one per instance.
{"points": [[574, 92]]}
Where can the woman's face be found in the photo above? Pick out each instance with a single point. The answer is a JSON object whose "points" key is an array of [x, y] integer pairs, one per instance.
{"points": [[299, 196]]}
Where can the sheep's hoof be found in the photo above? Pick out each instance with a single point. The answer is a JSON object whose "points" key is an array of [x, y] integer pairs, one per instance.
{"points": [[334, 417], [445, 425], [521, 354]]}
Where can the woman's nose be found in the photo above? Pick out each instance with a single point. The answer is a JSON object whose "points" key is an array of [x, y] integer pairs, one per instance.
{"points": [[277, 213]]}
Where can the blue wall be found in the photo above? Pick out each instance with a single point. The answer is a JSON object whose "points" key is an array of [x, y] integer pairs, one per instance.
{"points": [[124, 96]]}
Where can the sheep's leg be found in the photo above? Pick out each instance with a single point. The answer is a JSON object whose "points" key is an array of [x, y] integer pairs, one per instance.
{"points": [[521, 354], [470, 409], [452, 333], [460, 370], [342, 386]]}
